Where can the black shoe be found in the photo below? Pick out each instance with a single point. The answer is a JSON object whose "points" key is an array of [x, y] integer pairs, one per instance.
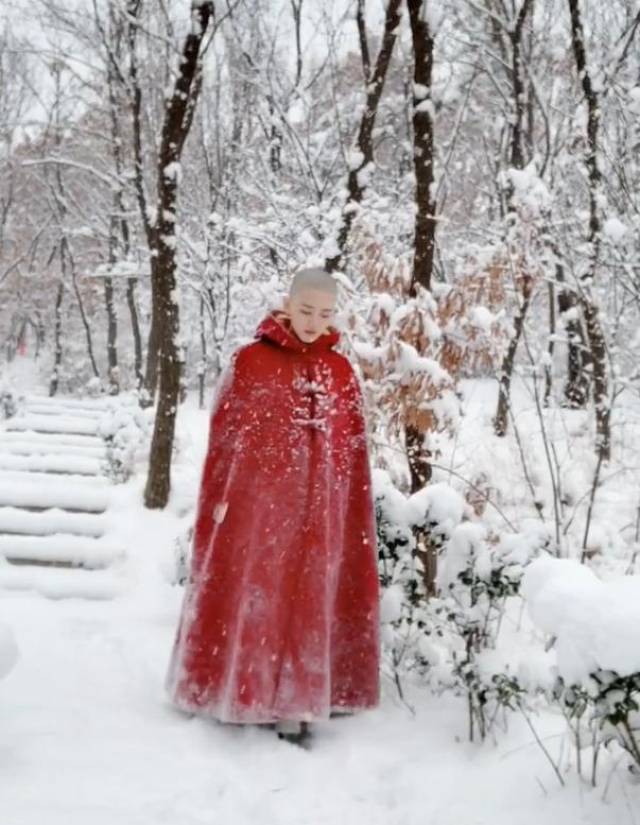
{"points": [[301, 737]]}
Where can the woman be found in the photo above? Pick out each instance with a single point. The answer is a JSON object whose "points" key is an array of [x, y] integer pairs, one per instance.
{"points": [[280, 620]]}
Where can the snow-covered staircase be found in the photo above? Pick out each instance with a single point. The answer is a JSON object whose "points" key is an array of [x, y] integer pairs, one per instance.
{"points": [[54, 499]]}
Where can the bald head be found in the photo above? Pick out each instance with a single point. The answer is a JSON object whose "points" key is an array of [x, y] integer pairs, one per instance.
{"points": [[311, 302], [313, 277]]}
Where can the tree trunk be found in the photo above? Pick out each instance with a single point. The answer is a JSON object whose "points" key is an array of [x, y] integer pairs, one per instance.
{"points": [[112, 337], [595, 334], [148, 390], [67, 262], [576, 388], [176, 125], [502, 413], [152, 364], [516, 161], [117, 214], [67, 255], [54, 384], [135, 329], [418, 454], [356, 183], [548, 370], [423, 150]]}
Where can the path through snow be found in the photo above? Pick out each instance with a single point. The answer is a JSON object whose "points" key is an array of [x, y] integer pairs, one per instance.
{"points": [[86, 738]]}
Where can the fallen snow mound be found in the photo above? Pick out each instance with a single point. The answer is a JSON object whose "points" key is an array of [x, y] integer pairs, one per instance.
{"points": [[596, 623]]}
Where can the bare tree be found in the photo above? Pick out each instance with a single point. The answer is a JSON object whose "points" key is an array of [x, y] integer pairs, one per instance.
{"points": [[423, 146], [60, 210], [512, 31], [595, 334], [363, 155], [423, 115], [180, 107]]}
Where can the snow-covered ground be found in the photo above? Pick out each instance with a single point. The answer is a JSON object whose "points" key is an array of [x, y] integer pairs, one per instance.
{"points": [[87, 736]]}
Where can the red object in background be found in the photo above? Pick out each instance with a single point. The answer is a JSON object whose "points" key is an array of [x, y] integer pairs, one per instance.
{"points": [[21, 349], [280, 618]]}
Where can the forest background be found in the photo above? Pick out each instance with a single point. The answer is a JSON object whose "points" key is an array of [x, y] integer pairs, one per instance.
{"points": [[469, 171]]}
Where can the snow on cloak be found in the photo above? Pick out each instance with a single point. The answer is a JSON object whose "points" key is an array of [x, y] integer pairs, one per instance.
{"points": [[280, 618]]}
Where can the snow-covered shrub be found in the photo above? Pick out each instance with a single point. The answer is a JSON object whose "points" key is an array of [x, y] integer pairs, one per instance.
{"points": [[479, 572], [126, 430], [458, 329], [444, 638], [395, 340], [594, 629], [606, 707]]}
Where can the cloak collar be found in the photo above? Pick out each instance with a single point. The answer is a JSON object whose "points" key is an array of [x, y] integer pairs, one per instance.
{"points": [[276, 326]]}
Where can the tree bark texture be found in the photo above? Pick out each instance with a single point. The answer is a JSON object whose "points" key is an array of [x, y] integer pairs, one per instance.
{"points": [[593, 324], [176, 125], [516, 161]]}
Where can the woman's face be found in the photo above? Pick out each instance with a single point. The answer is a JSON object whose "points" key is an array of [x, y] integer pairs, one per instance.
{"points": [[311, 311]]}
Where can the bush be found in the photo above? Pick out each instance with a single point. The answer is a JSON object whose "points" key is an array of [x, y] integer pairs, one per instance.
{"points": [[444, 639]]}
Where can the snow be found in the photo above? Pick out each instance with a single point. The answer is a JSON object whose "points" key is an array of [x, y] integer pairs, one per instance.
{"points": [[49, 492], [391, 604], [8, 650], [172, 170], [120, 269], [437, 502], [530, 191], [482, 318], [595, 622], [61, 547], [365, 174], [55, 520], [52, 463], [420, 91], [614, 229], [411, 361], [61, 583], [355, 159], [434, 14], [35, 444], [169, 241], [427, 106], [440, 502], [77, 425], [95, 742], [464, 538], [61, 408]]}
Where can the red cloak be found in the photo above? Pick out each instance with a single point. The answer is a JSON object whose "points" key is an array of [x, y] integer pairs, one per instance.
{"points": [[280, 618]]}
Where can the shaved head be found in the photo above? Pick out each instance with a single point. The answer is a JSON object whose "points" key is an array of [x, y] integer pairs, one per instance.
{"points": [[313, 277], [311, 302]]}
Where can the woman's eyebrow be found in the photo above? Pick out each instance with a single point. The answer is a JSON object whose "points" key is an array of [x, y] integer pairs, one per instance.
{"points": [[309, 306]]}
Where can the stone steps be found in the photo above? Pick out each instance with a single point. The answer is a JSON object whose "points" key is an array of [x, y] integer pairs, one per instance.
{"points": [[54, 501]]}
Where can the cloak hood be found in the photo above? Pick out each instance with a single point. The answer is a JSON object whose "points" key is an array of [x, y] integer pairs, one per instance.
{"points": [[276, 327]]}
